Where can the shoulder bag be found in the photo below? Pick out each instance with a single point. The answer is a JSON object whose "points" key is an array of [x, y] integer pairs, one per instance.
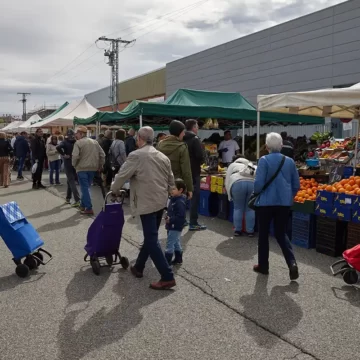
{"points": [[254, 197]]}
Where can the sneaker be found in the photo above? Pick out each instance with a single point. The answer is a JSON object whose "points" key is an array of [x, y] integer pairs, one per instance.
{"points": [[136, 273], [237, 233], [87, 212], [259, 270], [81, 208], [67, 201], [20, 178], [293, 272], [250, 235], [197, 227], [75, 204], [35, 186], [41, 186], [163, 285]]}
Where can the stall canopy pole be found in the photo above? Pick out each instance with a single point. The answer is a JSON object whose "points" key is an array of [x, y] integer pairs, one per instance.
{"points": [[243, 138], [141, 120], [356, 143], [258, 136]]}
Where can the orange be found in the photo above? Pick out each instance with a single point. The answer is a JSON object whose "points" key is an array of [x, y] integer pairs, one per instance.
{"points": [[328, 188], [341, 190], [334, 189], [352, 182], [309, 191], [358, 192], [348, 187]]}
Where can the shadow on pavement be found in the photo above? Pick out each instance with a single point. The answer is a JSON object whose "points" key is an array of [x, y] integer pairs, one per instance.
{"points": [[277, 312], [5, 194], [238, 248], [105, 326], [348, 293], [53, 211], [12, 281], [64, 224]]}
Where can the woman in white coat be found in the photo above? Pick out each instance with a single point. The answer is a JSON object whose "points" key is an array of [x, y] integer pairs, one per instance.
{"points": [[239, 184]]}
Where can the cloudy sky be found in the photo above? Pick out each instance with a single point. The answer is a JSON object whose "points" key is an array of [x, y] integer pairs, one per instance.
{"points": [[41, 40]]}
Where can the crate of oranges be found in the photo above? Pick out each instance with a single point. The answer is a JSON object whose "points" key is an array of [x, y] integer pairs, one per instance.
{"points": [[308, 189], [349, 186]]}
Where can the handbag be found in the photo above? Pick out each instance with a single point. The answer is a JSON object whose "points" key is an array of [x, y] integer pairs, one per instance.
{"points": [[254, 196]]}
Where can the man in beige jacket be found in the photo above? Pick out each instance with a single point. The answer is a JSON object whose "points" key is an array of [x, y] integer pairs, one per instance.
{"points": [[151, 179], [87, 158]]}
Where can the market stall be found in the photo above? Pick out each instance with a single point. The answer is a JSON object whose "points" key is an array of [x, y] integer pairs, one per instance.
{"points": [[326, 215]]}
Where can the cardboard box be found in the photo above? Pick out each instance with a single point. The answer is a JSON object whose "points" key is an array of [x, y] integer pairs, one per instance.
{"points": [[213, 180], [220, 189], [356, 204], [213, 188], [344, 200], [343, 213], [212, 148], [325, 197], [205, 185], [355, 217], [325, 210], [220, 181]]}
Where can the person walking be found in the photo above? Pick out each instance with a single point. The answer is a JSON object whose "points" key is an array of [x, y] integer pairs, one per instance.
{"points": [[65, 149], [288, 147], [151, 179], [130, 143], [197, 158], [177, 152], [176, 215], [106, 145], [6, 152], [276, 183], [38, 151], [21, 150], [54, 160], [239, 184], [87, 158], [228, 148], [118, 151]]}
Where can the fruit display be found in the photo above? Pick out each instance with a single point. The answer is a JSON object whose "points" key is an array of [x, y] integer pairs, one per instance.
{"points": [[349, 186], [308, 189]]}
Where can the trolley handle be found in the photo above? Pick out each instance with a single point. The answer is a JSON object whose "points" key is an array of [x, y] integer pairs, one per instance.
{"points": [[121, 195]]}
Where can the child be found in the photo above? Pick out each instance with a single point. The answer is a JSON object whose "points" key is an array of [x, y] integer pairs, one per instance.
{"points": [[175, 220]]}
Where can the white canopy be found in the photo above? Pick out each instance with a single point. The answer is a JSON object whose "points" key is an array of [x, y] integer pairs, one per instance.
{"points": [[32, 120], [336, 103], [12, 127], [65, 117]]}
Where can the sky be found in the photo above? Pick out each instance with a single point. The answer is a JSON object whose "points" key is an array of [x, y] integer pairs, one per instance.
{"points": [[48, 48]]}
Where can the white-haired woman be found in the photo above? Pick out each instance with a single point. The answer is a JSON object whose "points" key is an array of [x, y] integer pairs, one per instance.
{"points": [[280, 175]]}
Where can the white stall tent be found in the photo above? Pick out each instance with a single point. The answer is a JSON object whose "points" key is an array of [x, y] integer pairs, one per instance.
{"points": [[32, 120], [65, 117], [12, 127], [335, 103]]}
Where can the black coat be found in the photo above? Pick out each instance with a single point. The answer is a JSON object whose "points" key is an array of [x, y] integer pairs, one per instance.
{"points": [[21, 147], [38, 148], [5, 148], [130, 145], [196, 152]]}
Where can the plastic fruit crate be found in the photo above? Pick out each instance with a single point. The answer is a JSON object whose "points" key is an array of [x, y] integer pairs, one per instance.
{"points": [[353, 235], [303, 230], [330, 236]]}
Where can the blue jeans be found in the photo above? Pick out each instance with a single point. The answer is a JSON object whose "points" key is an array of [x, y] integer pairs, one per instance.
{"points": [[152, 248], [21, 165], [173, 242], [240, 192], [85, 180], [54, 166]]}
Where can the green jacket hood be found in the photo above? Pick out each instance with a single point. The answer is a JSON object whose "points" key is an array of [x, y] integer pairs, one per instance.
{"points": [[169, 145]]}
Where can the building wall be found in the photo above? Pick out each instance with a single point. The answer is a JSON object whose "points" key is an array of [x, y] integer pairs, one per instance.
{"points": [[316, 51], [144, 87]]}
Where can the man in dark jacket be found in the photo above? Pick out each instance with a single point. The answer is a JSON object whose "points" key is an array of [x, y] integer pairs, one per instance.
{"points": [[65, 149], [196, 154], [130, 143], [288, 147], [38, 150], [21, 149], [177, 152], [106, 145]]}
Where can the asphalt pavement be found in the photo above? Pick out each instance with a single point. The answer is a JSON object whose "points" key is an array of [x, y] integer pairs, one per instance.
{"points": [[220, 309]]}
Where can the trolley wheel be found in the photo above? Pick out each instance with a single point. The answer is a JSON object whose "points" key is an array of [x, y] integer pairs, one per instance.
{"points": [[22, 270], [109, 259], [95, 264], [124, 262], [38, 256], [350, 277], [30, 262]]}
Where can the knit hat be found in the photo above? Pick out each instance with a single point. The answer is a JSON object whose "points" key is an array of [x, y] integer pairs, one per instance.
{"points": [[176, 127]]}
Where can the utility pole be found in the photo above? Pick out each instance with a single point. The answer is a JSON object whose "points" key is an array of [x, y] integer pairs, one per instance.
{"points": [[113, 55], [23, 100]]}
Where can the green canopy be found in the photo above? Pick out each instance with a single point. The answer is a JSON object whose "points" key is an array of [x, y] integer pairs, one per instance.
{"points": [[64, 105], [199, 104]]}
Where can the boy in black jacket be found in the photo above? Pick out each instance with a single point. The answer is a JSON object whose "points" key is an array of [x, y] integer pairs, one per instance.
{"points": [[175, 220]]}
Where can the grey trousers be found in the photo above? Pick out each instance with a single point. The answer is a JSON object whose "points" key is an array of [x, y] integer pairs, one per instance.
{"points": [[71, 184]]}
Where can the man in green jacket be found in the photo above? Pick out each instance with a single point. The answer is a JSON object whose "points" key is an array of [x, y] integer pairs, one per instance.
{"points": [[177, 152]]}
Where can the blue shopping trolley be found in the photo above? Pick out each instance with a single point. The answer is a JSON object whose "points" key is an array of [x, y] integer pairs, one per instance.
{"points": [[22, 239]]}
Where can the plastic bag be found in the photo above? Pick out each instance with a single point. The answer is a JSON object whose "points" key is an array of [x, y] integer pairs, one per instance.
{"points": [[34, 168]]}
